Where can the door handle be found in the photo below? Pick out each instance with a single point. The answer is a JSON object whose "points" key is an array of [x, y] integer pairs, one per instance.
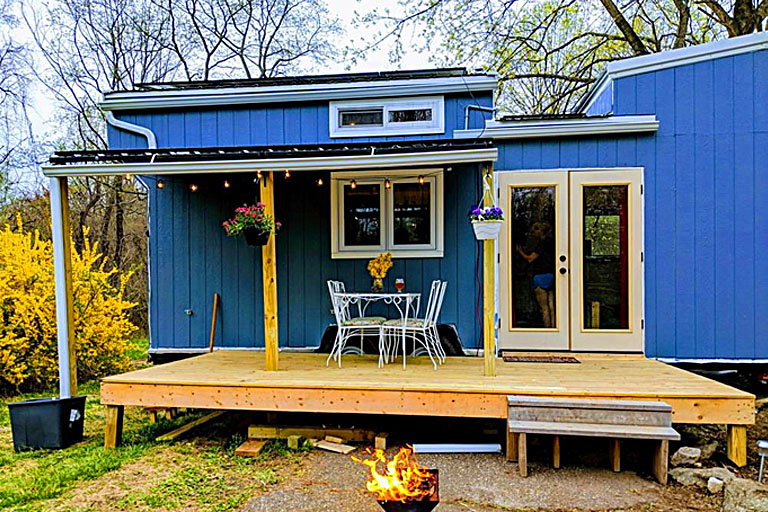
{"points": [[563, 270]]}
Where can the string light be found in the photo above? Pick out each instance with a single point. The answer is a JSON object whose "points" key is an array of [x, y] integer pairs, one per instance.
{"points": [[128, 176], [422, 179], [193, 187], [287, 174], [258, 174], [160, 184], [319, 182], [353, 184], [387, 184], [226, 184]]}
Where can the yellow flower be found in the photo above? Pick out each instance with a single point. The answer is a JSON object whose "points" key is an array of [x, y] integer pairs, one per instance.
{"points": [[379, 265]]}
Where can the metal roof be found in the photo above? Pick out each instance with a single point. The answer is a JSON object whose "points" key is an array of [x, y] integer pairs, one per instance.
{"points": [[125, 156], [308, 79]]}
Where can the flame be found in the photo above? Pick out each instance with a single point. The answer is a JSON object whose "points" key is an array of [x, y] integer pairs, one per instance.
{"points": [[402, 480]]}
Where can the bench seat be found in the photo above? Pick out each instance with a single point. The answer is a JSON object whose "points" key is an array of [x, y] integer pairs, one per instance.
{"points": [[595, 430]]}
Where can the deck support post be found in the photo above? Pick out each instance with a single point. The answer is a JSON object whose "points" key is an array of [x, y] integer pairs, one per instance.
{"points": [[62, 270], [489, 284], [511, 446], [737, 444], [113, 429], [556, 452], [269, 278]]}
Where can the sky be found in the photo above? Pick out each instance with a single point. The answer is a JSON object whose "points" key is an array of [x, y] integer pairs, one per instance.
{"points": [[42, 109]]}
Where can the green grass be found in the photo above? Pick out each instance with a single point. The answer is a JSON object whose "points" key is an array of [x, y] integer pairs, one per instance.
{"points": [[191, 474]]}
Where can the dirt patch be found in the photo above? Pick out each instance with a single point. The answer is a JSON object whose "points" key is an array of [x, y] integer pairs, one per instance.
{"points": [[481, 483]]}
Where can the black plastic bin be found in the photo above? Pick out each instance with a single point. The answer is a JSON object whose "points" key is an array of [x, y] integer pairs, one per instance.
{"points": [[47, 422]]}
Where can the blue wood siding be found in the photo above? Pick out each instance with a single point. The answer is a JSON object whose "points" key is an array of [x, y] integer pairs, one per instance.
{"points": [[603, 104], [191, 258], [304, 123], [706, 207]]}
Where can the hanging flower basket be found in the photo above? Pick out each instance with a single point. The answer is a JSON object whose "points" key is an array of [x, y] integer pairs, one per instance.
{"points": [[253, 223], [255, 237], [487, 229], [486, 222]]}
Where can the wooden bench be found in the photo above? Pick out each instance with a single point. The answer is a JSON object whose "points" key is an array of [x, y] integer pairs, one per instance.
{"points": [[614, 419]]}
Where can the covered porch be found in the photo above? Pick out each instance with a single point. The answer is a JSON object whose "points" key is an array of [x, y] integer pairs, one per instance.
{"points": [[237, 380]]}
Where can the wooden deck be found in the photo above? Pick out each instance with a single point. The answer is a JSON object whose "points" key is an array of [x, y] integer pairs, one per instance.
{"points": [[237, 380]]}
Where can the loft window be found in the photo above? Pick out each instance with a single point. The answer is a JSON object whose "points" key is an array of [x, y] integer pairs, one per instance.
{"points": [[368, 218], [370, 117], [384, 117]]}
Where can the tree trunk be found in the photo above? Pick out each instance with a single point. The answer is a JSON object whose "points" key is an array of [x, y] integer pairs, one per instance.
{"points": [[626, 29], [119, 222]]}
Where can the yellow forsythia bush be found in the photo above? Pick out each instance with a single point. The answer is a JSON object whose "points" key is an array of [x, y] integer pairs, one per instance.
{"points": [[28, 351]]}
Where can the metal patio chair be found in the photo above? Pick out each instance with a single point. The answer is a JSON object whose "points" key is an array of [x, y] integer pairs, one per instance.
{"points": [[419, 330], [349, 326]]}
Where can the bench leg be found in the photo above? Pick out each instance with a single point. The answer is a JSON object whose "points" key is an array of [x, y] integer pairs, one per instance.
{"points": [[113, 430], [660, 461], [511, 446], [556, 452], [737, 444], [615, 455], [522, 455]]}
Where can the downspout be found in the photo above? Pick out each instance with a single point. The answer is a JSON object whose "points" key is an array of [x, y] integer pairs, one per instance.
{"points": [[479, 108], [151, 144], [132, 128]]}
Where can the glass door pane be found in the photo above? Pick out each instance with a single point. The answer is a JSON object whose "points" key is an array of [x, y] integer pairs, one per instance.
{"points": [[605, 256], [533, 292]]}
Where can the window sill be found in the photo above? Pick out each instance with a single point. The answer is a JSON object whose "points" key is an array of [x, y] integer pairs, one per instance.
{"points": [[359, 255]]}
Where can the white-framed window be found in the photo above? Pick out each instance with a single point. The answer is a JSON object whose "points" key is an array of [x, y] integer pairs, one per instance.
{"points": [[391, 116], [397, 211]]}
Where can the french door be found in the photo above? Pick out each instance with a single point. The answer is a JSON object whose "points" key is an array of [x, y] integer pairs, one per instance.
{"points": [[571, 261]]}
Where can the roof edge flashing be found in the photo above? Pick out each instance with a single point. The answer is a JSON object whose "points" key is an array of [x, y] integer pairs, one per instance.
{"points": [[179, 98], [562, 128]]}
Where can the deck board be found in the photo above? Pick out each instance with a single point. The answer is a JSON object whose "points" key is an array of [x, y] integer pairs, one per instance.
{"points": [[236, 379]]}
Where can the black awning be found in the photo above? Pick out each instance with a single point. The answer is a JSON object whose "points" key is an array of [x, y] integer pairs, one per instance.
{"points": [[160, 155]]}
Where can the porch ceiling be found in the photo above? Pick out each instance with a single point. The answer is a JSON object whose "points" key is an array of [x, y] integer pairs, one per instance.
{"points": [[250, 158]]}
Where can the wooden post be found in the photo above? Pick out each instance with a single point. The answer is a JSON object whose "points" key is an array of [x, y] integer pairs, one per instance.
{"points": [[62, 269], [556, 452], [736, 436], [269, 278], [511, 446], [522, 454], [213, 321], [489, 286], [113, 429], [661, 461], [615, 454]]}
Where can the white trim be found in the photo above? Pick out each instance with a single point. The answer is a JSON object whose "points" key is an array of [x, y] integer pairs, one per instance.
{"points": [[673, 58], [133, 128], [561, 127], [437, 228], [689, 55], [710, 361], [173, 98], [435, 103], [432, 158], [589, 99]]}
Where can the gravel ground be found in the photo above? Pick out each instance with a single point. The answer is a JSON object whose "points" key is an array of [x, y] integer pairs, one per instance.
{"points": [[468, 482]]}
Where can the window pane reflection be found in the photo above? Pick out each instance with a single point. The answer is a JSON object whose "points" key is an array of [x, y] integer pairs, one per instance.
{"points": [[411, 202], [362, 215], [606, 257], [533, 212]]}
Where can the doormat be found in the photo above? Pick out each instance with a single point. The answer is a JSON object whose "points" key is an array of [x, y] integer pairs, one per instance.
{"points": [[541, 359]]}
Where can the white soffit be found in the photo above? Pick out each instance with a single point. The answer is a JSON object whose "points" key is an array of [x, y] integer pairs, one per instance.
{"points": [[278, 164], [561, 127], [172, 98]]}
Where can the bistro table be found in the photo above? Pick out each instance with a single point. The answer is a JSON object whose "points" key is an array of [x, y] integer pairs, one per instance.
{"points": [[403, 301]]}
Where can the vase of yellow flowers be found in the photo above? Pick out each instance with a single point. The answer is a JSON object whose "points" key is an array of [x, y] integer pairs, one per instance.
{"points": [[378, 268]]}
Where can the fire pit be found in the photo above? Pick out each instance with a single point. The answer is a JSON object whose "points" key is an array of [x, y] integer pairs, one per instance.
{"points": [[402, 485]]}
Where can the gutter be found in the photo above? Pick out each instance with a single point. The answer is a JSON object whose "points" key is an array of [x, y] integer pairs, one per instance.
{"points": [[561, 128]]}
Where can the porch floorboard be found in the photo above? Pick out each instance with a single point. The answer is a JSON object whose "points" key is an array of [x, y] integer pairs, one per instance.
{"points": [[237, 380]]}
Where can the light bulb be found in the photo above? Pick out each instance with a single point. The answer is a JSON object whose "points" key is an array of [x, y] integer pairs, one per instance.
{"points": [[387, 184], [319, 182], [353, 184], [160, 184], [421, 179], [287, 174], [193, 187], [227, 184]]}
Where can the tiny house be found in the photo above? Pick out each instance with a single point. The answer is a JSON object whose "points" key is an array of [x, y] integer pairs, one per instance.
{"points": [[634, 226]]}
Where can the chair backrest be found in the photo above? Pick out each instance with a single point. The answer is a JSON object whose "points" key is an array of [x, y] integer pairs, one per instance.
{"points": [[340, 309], [435, 302]]}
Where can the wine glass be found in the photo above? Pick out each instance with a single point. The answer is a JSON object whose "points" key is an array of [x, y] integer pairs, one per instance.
{"points": [[399, 284]]}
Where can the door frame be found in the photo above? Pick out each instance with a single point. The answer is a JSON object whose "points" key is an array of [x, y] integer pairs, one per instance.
{"points": [[636, 201]]}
